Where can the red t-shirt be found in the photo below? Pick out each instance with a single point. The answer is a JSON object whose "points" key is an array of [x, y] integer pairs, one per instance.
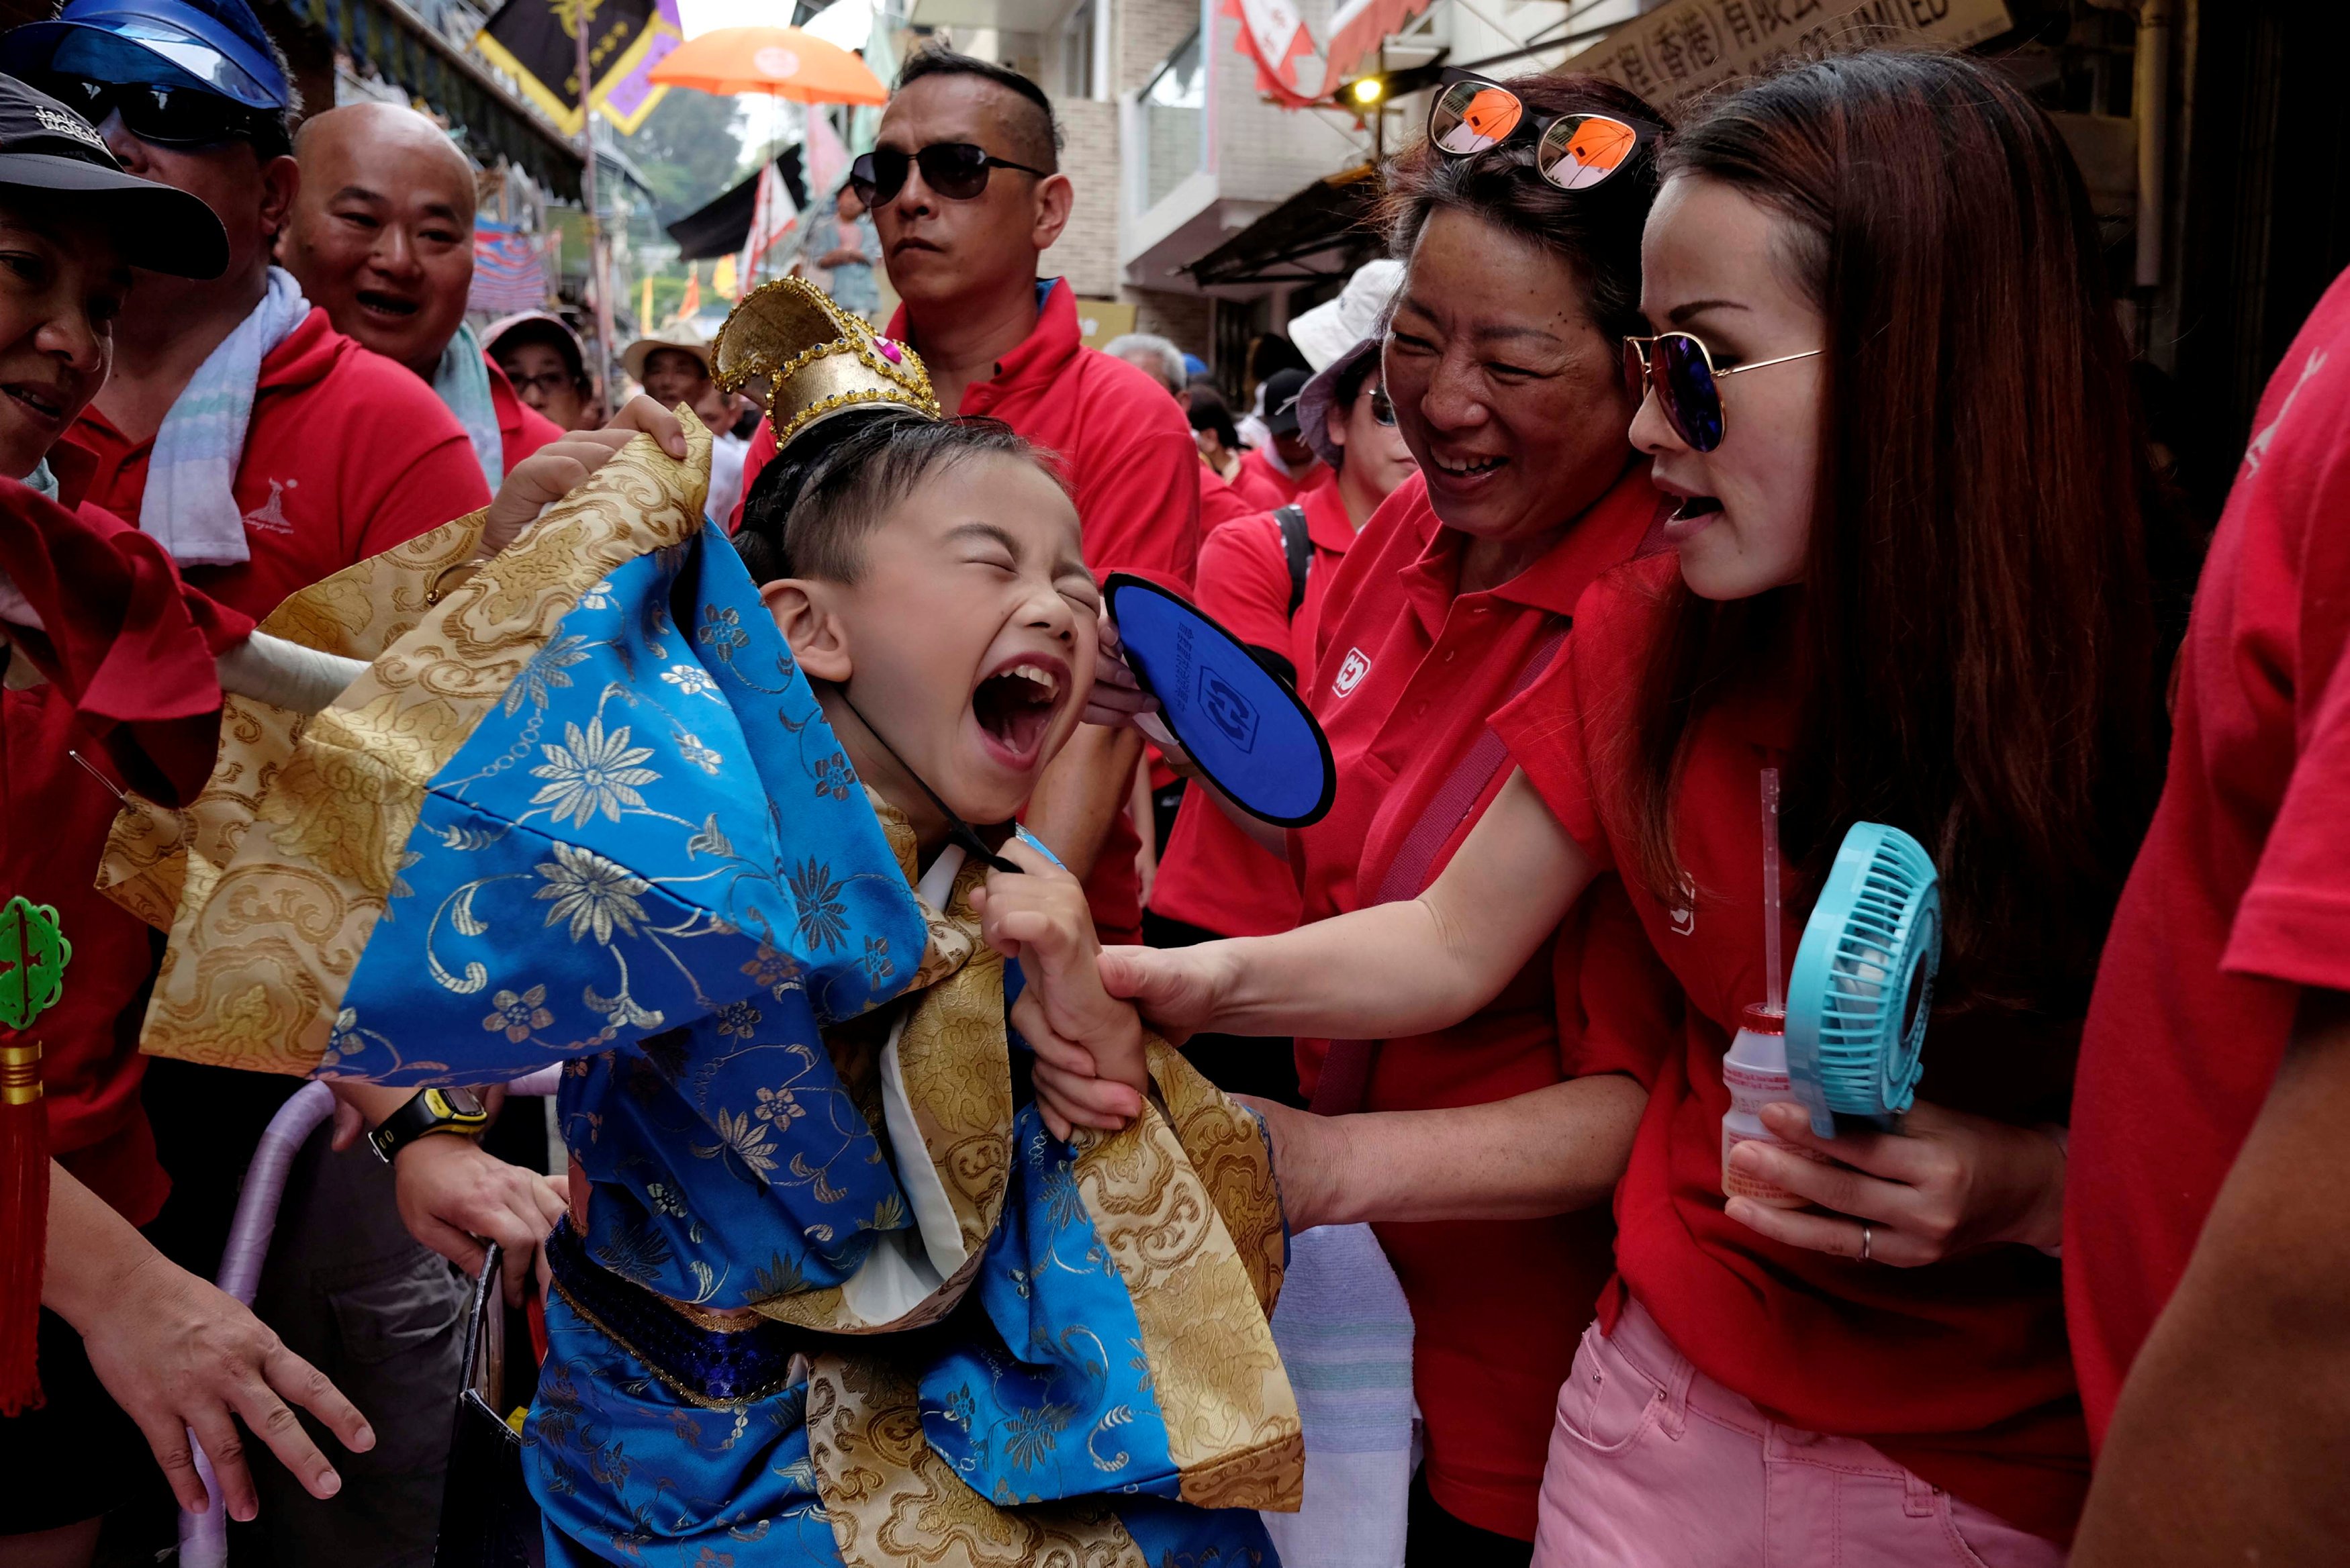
{"points": [[347, 454], [1256, 486], [522, 429], [2240, 895], [1213, 875], [59, 813], [1408, 672], [1261, 478], [1958, 1371], [1220, 503], [1126, 450]]}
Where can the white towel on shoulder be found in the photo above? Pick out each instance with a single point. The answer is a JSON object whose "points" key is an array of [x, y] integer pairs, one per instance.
{"points": [[190, 506], [462, 381]]}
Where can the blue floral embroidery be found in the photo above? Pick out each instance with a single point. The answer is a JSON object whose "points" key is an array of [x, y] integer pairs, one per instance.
{"points": [[823, 918]]}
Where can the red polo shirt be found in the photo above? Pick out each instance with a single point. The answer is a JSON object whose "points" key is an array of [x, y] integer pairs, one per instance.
{"points": [[1220, 503], [1260, 477], [347, 454], [1213, 875], [1958, 1371], [1256, 487], [522, 429], [1410, 671], [1126, 450], [2240, 895], [89, 1066]]}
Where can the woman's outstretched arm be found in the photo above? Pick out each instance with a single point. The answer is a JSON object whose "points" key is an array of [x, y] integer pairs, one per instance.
{"points": [[1399, 969]]}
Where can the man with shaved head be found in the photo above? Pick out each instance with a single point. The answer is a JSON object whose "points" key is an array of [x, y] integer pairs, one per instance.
{"points": [[382, 234], [964, 186]]}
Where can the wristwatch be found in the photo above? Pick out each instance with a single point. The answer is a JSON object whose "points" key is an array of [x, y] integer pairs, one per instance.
{"points": [[430, 1111]]}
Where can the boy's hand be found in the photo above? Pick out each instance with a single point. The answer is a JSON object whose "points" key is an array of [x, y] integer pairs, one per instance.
{"points": [[1089, 1070], [561, 466], [451, 1190]]}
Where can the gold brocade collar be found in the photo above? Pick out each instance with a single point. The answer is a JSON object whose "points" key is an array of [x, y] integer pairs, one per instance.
{"points": [[953, 930]]}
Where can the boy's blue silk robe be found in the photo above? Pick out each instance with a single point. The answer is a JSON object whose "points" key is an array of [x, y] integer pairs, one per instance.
{"points": [[583, 808]]}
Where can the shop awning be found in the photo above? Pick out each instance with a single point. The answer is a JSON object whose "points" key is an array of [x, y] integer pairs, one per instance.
{"points": [[491, 121], [719, 227], [1323, 231]]}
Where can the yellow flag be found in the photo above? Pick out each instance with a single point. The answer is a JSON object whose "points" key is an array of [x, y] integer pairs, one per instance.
{"points": [[721, 276]]}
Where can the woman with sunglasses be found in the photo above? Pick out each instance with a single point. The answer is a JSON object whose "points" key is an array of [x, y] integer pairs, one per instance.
{"points": [[1501, 369], [1910, 568]]}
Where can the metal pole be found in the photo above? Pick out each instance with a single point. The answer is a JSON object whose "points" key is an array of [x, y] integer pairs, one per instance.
{"points": [[2151, 106], [597, 268]]}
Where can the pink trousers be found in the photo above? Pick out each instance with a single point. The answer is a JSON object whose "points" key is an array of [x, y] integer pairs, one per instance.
{"points": [[1654, 1463]]}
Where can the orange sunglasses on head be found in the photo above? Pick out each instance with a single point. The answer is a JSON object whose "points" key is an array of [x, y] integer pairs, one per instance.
{"points": [[1573, 152]]}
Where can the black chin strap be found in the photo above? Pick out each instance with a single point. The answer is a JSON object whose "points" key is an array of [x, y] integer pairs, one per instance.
{"points": [[958, 831]]}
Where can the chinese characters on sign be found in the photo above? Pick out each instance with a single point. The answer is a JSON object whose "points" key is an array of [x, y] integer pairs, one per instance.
{"points": [[1688, 47]]}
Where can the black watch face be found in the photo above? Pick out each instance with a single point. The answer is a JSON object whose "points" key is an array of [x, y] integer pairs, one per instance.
{"points": [[464, 1102]]}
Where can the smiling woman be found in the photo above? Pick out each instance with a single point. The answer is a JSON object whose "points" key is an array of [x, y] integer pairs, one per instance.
{"points": [[1501, 367], [1911, 574]]}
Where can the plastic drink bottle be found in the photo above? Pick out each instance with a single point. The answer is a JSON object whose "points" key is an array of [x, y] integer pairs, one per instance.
{"points": [[1755, 1073]]}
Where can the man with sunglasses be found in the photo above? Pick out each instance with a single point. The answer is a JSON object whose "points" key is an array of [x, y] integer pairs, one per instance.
{"points": [[963, 186], [266, 451]]}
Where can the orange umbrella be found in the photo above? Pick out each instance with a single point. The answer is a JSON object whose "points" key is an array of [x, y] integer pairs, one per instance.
{"points": [[783, 62]]}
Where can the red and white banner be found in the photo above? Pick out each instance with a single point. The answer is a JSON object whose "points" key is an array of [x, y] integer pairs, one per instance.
{"points": [[1273, 35], [826, 159], [773, 218]]}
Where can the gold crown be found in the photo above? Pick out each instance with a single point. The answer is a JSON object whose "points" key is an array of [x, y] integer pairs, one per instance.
{"points": [[815, 358]]}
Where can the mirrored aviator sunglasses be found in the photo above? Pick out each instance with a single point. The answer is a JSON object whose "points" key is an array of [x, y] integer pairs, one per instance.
{"points": [[1573, 152], [1681, 369]]}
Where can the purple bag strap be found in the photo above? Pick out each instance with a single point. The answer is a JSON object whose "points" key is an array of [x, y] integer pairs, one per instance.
{"points": [[1346, 1081]]}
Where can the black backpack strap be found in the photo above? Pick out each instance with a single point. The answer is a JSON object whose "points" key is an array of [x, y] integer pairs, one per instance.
{"points": [[1298, 548]]}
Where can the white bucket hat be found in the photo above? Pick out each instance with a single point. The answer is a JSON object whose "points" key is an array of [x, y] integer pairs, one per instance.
{"points": [[1330, 328], [1321, 394]]}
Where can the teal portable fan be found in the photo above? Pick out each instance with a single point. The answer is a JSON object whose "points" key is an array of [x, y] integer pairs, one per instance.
{"points": [[1864, 982]]}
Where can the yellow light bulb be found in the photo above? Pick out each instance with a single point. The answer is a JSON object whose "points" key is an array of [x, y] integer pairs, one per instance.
{"points": [[1368, 91]]}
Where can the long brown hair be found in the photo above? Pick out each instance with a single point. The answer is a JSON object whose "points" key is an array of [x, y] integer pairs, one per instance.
{"points": [[1977, 623]]}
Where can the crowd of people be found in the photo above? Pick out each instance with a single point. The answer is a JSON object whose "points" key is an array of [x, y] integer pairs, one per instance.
{"points": [[1557, 588]]}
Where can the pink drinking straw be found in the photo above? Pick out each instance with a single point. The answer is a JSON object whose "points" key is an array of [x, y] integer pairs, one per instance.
{"points": [[1774, 989]]}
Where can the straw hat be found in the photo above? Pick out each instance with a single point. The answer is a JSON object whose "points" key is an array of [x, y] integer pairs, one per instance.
{"points": [[682, 337]]}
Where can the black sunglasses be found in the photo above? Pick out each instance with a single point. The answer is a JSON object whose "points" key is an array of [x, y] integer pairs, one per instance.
{"points": [[957, 170], [174, 117], [1382, 408]]}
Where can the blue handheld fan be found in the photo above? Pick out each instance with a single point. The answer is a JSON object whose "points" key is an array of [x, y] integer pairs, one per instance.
{"points": [[1864, 980], [1244, 726]]}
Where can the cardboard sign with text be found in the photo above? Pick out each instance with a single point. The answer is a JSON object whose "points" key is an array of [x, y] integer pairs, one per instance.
{"points": [[1686, 47]]}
